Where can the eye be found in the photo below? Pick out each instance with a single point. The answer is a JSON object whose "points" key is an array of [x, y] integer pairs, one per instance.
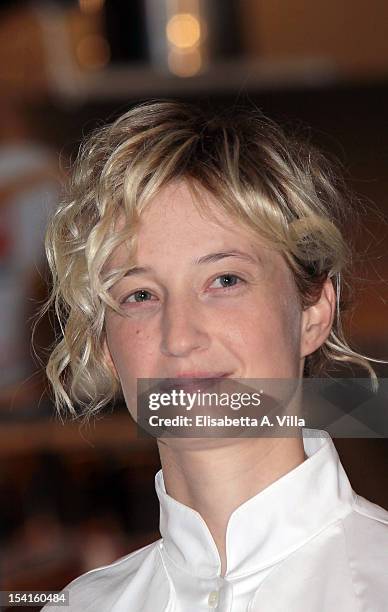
{"points": [[227, 280], [137, 297]]}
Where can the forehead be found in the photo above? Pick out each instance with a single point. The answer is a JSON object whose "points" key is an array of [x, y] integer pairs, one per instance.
{"points": [[175, 220], [174, 235], [176, 229]]}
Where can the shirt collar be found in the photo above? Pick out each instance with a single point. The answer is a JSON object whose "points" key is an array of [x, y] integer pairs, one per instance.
{"points": [[268, 526]]}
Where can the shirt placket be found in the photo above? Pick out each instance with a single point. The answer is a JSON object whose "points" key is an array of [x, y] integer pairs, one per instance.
{"points": [[220, 599]]}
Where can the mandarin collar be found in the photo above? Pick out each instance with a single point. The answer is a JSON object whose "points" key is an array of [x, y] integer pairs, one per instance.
{"points": [[268, 526]]}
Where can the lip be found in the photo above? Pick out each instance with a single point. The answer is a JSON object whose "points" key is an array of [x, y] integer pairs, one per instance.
{"points": [[193, 381], [193, 374]]}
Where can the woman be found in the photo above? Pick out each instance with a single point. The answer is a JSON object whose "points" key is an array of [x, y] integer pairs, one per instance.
{"points": [[197, 246]]}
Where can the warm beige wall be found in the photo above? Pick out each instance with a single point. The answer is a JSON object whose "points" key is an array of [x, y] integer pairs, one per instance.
{"points": [[353, 32]]}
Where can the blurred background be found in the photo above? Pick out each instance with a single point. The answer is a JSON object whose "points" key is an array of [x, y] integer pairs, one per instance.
{"points": [[73, 498]]}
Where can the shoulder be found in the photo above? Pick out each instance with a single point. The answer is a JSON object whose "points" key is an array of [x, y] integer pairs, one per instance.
{"points": [[122, 581], [124, 569], [367, 520], [366, 537], [344, 567], [366, 528]]}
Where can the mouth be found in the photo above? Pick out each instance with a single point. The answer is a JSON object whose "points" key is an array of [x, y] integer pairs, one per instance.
{"points": [[196, 375], [194, 381]]}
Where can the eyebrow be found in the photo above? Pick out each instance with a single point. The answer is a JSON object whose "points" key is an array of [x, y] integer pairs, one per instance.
{"points": [[205, 259]]}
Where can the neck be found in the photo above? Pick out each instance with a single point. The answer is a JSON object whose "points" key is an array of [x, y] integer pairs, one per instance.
{"points": [[215, 480]]}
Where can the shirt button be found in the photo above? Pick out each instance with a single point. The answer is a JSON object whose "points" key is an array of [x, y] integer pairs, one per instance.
{"points": [[213, 599]]}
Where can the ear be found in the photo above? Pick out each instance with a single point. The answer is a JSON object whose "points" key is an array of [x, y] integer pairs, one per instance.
{"points": [[317, 320]]}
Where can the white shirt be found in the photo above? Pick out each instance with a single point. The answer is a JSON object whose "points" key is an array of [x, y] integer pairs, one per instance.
{"points": [[306, 543]]}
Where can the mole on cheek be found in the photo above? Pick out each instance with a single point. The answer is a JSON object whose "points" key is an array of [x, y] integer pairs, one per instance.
{"points": [[137, 332]]}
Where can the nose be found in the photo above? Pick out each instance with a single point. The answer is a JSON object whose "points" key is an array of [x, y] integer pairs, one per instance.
{"points": [[183, 328]]}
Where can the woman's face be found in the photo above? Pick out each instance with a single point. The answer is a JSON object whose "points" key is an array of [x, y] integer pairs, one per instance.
{"points": [[205, 299]]}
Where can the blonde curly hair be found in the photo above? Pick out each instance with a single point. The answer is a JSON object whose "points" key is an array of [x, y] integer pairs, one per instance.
{"points": [[278, 186]]}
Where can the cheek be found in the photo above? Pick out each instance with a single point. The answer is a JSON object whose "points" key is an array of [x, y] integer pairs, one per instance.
{"points": [[132, 358], [131, 350], [287, 330], [269, 331]]}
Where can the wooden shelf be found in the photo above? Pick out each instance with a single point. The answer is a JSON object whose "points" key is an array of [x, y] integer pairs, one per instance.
{"points": [[113, 431], [141, 80]]}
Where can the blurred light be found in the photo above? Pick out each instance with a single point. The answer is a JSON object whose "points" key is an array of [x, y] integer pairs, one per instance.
{"points": [[185, 63], [91, 6], [183, 30], [93, 52]]}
